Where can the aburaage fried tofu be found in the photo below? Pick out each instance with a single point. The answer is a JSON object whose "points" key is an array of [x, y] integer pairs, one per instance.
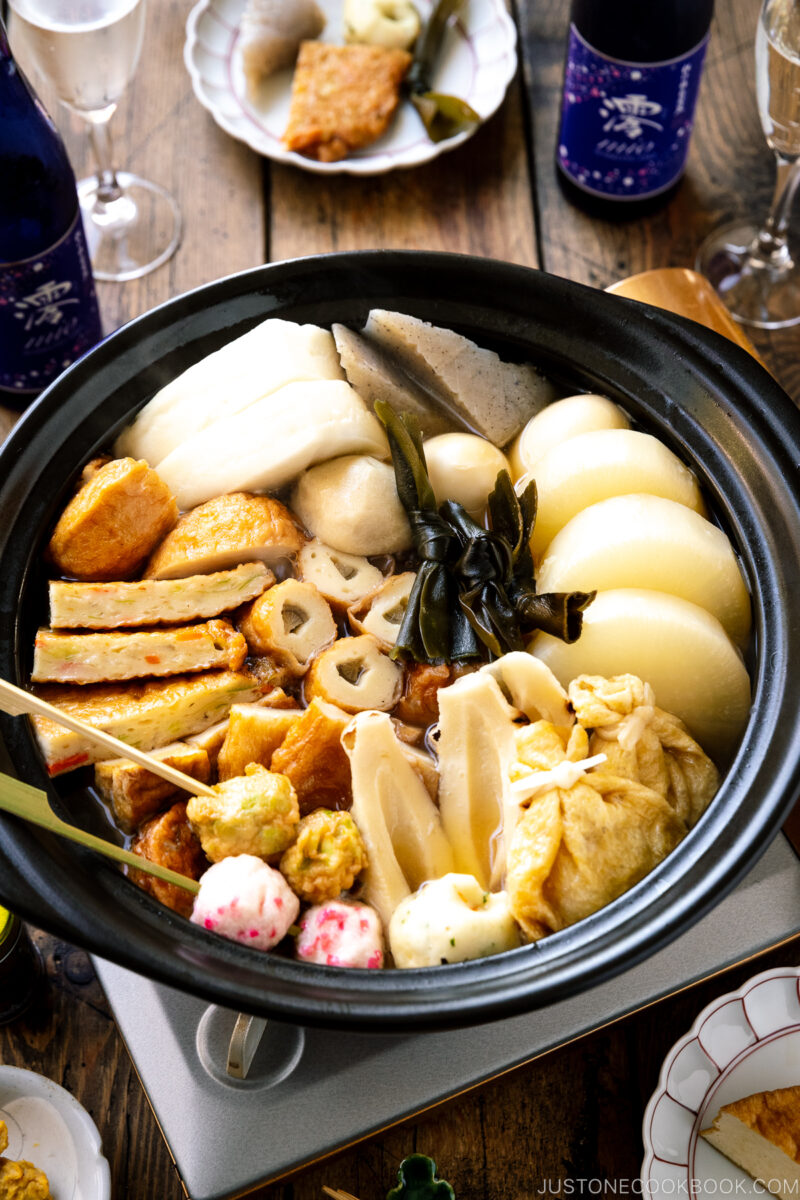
{"points": [[135, 793], [343, 97], [113, 522], [254, 734], [144, 715], [168, 839]]}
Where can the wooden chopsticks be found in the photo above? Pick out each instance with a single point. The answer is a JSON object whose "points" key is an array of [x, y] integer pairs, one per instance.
{"points": [[15, 702], [30, 803]]}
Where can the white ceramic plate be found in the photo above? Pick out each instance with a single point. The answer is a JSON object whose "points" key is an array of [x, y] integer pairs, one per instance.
{"points": [[48, 1127], [745, 1042], [477, 63]]}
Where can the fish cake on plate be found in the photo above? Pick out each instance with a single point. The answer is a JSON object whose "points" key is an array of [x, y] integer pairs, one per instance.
{"points": [[343, 97]]}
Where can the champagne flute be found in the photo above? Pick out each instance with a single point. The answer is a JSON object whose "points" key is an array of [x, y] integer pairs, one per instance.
{"points": [[751, 266], [88, 50]]}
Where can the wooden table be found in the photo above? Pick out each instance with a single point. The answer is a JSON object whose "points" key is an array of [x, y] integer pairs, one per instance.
{"points": [[576, 1114]]}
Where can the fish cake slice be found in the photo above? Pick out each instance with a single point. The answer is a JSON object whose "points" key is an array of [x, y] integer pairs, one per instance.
{"points": [[155, 601], [60, 657], [343, 97], [145, 715]]}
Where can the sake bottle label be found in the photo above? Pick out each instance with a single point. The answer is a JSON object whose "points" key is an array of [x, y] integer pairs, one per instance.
{"points": [[48, 313], [625, 127]]}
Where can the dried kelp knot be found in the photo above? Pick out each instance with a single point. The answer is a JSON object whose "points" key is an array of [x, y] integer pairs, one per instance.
{"points": [[433, 538], [473, 585]]}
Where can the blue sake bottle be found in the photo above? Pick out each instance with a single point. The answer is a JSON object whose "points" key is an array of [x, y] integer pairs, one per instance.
{"points": [[631, 80], [48, 306]]}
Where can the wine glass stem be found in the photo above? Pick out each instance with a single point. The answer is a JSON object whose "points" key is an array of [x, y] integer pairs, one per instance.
{"points": [[108, 188], [769, 247]]}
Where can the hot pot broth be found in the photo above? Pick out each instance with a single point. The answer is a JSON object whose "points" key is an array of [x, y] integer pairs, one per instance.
{"points": [[508, 934]]}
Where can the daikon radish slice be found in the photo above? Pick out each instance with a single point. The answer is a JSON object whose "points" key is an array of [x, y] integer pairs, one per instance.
{"points": [[641, 541], [272, 441], [559, 421], [607, 462], [226, 382], [463, 467], [681, 650]]}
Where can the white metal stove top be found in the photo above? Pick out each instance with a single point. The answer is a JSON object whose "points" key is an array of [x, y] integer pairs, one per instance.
{"points": [[311, 1092]]}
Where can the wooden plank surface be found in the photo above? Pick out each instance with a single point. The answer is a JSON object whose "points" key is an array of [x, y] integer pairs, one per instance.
{"points": [[575, 1114]]}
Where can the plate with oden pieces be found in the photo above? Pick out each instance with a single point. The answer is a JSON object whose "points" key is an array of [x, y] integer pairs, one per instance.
{"points": [[742, 1043], [477, 62], [49, 1128]]}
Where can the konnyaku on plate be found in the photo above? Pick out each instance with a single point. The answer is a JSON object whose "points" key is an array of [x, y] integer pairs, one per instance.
{"points": [[477, 63]]}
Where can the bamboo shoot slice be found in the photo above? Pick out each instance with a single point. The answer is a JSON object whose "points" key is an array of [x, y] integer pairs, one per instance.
{"points": [[532, 688], [476, 750], [396, 817]]}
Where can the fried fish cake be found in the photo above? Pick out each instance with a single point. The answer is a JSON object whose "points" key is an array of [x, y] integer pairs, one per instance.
{"points": [[343, 97], [114, 521]]}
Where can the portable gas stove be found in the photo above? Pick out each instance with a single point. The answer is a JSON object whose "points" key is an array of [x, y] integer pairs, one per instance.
{"points": [[309, 1093]]}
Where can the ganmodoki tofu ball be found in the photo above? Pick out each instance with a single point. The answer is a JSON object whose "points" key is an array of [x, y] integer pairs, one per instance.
{"points": [[340, 934], [243, 899], [326, 857], [255, 813], [450, 920]]}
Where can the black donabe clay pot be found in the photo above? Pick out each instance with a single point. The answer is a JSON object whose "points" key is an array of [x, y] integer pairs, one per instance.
{"points": [[713, 404]]}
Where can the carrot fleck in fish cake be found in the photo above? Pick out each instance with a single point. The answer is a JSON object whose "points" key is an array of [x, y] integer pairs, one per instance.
{"points": [[343, 97]]}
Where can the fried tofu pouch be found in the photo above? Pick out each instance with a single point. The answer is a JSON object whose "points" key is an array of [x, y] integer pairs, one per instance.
{"points": [[644, 743], [20, 1180], [575, 849]]}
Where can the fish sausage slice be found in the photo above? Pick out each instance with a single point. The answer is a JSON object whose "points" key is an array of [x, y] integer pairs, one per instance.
{"points": [[132, 654], [272, 441], [376, 376], [226, 382], [492, 397], [155, 601]]}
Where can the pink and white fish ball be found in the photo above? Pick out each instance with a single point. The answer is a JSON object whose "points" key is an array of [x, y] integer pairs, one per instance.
{"points": [[337, 934], [243, 899]]}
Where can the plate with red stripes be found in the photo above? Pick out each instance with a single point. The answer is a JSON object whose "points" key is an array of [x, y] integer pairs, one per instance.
{"points": [[742, 1043]]}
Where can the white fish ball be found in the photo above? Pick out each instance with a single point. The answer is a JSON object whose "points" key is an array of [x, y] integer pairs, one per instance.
{"points": [[351, 504]]}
